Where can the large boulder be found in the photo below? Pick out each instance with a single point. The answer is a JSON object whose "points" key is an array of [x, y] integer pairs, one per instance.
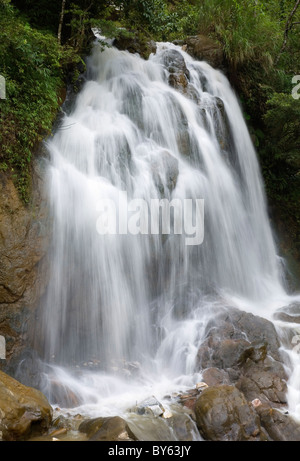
{"points": [[223, 414], [232, 336], [136, 44], [203, 48], [235, 324], [24, 411]]}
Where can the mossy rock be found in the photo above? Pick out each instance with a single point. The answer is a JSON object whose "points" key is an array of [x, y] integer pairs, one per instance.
{"points": [[109, 428], [223, 414], [136, 44], [24, 411]]}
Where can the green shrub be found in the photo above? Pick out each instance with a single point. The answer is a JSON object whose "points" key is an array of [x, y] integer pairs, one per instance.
{"points": [[244, 28], [31, 66]]}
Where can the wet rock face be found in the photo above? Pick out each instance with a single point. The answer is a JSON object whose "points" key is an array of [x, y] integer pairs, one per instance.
{"points": [[179, 74], [212, 111], [264, 380], [280, 427], [24, 237], [244, 348], [23, 410], [176, 66]]}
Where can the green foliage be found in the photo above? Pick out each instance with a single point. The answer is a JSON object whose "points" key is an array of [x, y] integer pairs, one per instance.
{"points": [[80, 21], [281, 152], [280, 160], [159, 19], [244, 28], [42, 14], [283, 126], [31, 67]]}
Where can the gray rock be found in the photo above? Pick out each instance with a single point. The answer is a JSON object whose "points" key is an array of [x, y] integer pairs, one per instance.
{"points": [[245, 350], [149, 406], [280, 427], [182, 424], [255, 332], [224, 353], [265, 380], [214, 376], [289, 313]]}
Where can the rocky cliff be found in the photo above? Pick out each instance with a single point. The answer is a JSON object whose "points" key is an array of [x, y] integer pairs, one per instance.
{"points": [[24, 239]]}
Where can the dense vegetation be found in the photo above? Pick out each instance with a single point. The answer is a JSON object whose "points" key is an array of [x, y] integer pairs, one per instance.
{"points": [[40, 41], [32, 64]]}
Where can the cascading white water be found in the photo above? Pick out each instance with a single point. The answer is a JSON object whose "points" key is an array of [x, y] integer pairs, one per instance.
{"points": [[144, 298]]}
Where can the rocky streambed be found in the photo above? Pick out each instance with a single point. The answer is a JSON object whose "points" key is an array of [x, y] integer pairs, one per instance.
{"points": [[242, 395]]}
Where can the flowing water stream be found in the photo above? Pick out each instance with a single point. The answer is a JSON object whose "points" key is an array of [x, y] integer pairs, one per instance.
{"points": [[125, 311]]}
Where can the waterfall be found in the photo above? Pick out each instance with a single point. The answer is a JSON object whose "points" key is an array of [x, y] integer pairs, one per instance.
{"points": [[132, 296]]}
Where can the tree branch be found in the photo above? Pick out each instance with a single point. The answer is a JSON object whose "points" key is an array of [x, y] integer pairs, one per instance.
{"points": [[61, 20], [288, 26]]}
